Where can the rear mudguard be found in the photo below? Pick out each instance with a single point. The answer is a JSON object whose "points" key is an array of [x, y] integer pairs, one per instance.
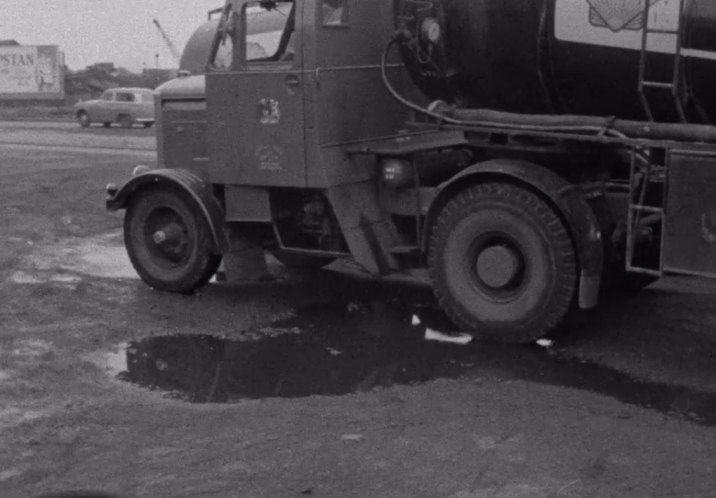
{"points": [[183, 180], [567, 199]]}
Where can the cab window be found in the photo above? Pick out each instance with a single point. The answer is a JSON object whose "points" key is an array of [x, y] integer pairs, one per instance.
{"points": [[268, 32], [224, 54], [334, 12]]}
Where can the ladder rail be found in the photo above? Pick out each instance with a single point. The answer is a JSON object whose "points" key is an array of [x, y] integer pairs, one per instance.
{"points": [[675, 84], [637, 206]]}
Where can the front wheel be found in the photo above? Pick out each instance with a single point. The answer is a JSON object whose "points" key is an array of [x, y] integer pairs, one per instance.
{"points": [[502, 263], [83, 119], [169, 241]]}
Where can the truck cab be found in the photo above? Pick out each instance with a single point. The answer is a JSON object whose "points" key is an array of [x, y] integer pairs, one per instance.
{"points": [[290, 92]]}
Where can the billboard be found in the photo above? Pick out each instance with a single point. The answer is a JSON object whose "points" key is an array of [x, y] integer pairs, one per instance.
{"points": [[31, 72]]}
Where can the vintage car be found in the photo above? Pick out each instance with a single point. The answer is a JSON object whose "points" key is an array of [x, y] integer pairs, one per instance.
{"points": [[124, 106]]}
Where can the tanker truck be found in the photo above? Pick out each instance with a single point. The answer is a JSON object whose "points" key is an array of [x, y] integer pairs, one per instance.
{"points": [[523, 158]]}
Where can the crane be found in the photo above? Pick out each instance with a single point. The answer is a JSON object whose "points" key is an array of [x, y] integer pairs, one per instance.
{"points": [[172, 48]]}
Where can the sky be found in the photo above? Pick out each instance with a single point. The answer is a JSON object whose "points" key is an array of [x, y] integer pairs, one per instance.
{"points": [[119, 31]]}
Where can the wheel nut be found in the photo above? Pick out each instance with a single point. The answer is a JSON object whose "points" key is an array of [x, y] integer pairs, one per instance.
{"points": [[159, 236]]}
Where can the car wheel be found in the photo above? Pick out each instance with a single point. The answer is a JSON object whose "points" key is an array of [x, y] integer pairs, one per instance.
{"points": [[502, 263], [169, 241], [148, 124], [107, 124], [83, 119], [125, 120]]}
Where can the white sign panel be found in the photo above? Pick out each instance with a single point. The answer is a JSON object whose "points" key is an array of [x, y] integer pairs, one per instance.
{"points": [[30, 70], [618, 23]]}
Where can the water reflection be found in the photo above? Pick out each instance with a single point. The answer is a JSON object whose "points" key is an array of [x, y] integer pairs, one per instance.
{"points": [[340, 348]]}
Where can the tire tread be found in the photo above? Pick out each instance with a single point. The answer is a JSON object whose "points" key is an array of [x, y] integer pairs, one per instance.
{"points": [[565, 287]]}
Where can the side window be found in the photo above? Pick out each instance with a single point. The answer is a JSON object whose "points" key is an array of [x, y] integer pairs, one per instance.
{"points": [[125, 97], [268, 29], [335, 12], [106, 96], [224, 54]]}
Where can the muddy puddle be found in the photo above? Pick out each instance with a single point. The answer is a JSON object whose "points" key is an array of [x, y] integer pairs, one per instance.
{"points": [[341, 348]]}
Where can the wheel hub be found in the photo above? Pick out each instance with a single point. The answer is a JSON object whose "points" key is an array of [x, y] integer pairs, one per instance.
{"points": [[170, 239], [497, 266]]}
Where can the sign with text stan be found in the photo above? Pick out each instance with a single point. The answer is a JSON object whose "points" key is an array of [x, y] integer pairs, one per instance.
{"points": [[32, 72]]}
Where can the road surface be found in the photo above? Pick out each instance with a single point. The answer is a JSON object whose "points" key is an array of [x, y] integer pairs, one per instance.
{"points": [[316, 384]]}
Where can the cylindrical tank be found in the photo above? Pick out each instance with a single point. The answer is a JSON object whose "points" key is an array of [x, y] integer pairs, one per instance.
{"points": [[195, 56], [561, 56]]}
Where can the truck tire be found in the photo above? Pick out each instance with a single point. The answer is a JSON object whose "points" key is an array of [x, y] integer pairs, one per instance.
{"points": [[301, 261], [83, 119], [169, 241], [502, 263]]}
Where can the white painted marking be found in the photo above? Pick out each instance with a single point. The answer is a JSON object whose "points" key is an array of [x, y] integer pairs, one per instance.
{"points": [[434, 335]]}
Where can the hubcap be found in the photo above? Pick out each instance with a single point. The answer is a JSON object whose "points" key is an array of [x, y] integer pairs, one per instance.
{"points": [[169, 234], [498, 266], [167, 237]]}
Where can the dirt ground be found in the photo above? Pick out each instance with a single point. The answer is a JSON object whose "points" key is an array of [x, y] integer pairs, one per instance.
{"points": [[622, 404]]}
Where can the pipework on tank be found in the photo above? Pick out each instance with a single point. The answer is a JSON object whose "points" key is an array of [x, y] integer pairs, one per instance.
{"points": [[604, 127]]}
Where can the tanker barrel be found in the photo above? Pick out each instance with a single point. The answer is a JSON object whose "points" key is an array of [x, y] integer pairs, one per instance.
{"points": [[573, 57]]}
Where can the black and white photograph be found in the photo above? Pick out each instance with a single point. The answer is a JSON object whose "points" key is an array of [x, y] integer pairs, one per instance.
{"points": [[357, 248]]}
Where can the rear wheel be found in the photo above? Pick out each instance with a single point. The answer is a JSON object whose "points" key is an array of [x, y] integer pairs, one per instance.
{"points": [[502, 263], [169, 241], [125, 120], [83, 119]]}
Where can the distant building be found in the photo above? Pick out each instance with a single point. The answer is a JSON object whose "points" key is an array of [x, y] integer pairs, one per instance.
{"points": [[9, 43], [104, 67]]}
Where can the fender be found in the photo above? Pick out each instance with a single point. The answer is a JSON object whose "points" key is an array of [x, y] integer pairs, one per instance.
{"points": [[568, 199], [185, 181]]}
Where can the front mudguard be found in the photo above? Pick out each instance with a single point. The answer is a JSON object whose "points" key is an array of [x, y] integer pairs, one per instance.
{"points": [[567, 199], [185, 181]]}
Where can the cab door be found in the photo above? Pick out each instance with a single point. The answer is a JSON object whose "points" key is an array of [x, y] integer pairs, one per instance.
{"points": [[255, 106]]}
